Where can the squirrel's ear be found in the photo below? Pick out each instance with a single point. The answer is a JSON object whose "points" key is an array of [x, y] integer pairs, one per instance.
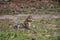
{"points": [[30, 15]]}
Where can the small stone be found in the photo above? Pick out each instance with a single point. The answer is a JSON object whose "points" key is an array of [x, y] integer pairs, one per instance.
{"points": [[33, 38]]}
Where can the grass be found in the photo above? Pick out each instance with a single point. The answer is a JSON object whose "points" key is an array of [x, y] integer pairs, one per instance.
{"points": [[24, 36], [39, 32]]}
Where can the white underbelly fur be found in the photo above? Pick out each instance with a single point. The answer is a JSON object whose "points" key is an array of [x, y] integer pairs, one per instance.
{"points": [[29, 24]]}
